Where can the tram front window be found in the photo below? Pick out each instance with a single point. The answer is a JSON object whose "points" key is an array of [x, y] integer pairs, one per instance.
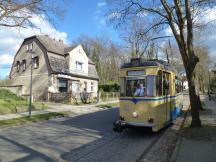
{"points": [[135, 88]]}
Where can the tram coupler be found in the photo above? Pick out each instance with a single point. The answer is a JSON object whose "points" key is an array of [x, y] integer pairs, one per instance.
{"points": [[119, 126]]}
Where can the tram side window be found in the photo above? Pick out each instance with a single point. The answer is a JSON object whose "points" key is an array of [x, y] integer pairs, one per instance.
{"points": [[122, 87], [151, 85], [166, 85], [176, 86], [179, 86], [159, 85]]}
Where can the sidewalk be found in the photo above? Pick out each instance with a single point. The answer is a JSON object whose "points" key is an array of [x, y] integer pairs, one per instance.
{"points": [[198, 144], [58, 107]]}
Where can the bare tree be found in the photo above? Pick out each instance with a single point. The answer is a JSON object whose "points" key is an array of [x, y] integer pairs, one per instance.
{"points": [[202, 68], [106, 55], [134, 37], [16, 13], [171, 52], [179, 16]]}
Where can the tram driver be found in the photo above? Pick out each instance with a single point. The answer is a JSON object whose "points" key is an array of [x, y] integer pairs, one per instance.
{"points": [[139, 90]]}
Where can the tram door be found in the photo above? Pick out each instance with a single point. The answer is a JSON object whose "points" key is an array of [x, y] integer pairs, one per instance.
{"points": [[166, 91]]}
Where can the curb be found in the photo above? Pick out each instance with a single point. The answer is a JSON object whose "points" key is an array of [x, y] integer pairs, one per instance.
{"points": [[176, 150], [179, 140]]}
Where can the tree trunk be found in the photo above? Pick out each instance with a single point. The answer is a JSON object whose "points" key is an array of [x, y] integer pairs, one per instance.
{"points": [[195, 104]]}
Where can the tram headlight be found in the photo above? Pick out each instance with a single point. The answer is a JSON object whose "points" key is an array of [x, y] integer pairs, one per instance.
{"points": [[121, 118], [134, 114], [151, 120]]}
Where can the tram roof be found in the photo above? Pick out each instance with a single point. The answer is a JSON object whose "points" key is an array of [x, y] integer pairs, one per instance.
{"points": [[138, 62]]}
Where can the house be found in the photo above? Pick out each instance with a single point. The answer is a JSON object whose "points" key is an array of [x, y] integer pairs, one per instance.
{"points": [[56, 68]]}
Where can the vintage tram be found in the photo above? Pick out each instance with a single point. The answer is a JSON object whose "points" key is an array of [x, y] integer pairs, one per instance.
{"points": [[150, 95]]}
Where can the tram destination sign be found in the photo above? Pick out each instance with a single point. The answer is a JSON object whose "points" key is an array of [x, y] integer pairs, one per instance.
{"points": [[136, 73]]}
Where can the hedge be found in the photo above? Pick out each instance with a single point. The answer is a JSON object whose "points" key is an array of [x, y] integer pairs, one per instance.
{"points": [[109, 87]]}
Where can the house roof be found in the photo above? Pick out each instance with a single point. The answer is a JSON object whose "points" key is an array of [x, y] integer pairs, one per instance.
{"points": [[60, 64], [52, 45], [92, 71]]}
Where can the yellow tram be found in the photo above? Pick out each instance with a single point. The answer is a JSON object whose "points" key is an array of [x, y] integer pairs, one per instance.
{"points": [[150, 95]]}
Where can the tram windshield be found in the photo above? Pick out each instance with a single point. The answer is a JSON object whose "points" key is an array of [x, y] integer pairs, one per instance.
{"points": [[138, 87]]}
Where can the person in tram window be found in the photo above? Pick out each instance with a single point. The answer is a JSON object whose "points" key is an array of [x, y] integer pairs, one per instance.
{"points": [[139, 91]]}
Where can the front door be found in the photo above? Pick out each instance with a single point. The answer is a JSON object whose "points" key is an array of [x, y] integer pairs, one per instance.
{"points": [[75, 88]]}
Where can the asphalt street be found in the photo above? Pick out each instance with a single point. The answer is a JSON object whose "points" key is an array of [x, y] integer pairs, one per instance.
{"points": [[82, 138]]}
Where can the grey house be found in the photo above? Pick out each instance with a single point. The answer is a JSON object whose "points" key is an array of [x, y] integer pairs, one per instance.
{"points": [[56, 68]]}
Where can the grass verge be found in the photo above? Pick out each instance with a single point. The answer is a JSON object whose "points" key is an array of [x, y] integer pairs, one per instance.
{"points": [[11, 103], [35, 118]]}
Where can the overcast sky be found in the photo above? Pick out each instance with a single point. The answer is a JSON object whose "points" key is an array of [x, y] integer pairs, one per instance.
{"points": [[82, 18]]}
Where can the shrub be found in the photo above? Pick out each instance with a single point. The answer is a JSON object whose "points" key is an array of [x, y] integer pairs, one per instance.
{"points": [[109, 87]]}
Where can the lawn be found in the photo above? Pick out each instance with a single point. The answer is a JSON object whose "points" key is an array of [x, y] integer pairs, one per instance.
{"points": [[11, 103]]}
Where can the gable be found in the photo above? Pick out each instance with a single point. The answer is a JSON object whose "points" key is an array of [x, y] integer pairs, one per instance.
{"points": [[78, 55], [24, 54]]}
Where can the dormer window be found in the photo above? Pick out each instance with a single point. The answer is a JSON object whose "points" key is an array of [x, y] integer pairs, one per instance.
{"points": [[79, 65], [23, 65], [18, 66], [35, 62]]}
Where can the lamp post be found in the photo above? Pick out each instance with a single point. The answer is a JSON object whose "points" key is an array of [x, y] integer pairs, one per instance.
{"points": [[30, 99]]}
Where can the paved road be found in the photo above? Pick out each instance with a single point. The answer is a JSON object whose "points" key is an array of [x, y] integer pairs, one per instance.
{"points": [[87, 137]]}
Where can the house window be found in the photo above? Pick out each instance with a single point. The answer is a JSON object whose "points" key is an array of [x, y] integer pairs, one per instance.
{"points": [[92, 86], [79, 65], [85, 86], [18, 66], [30, 47], [23, 65], [35, 62], [63, 85]]}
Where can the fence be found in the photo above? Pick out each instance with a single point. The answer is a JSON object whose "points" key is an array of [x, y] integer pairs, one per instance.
{"points": [[69, 97], [109, 95]]}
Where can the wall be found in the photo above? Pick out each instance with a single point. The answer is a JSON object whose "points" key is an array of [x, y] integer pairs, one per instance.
{"points": [[15, 89], [40, 75], [78, 54], [81, 81]]}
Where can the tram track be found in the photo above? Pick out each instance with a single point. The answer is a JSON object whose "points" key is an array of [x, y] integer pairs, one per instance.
{"points": [[100, 144], [151, 145], [97, 145]]}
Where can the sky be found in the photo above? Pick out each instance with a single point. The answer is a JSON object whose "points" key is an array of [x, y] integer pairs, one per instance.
{"points": [[82, 17]]}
